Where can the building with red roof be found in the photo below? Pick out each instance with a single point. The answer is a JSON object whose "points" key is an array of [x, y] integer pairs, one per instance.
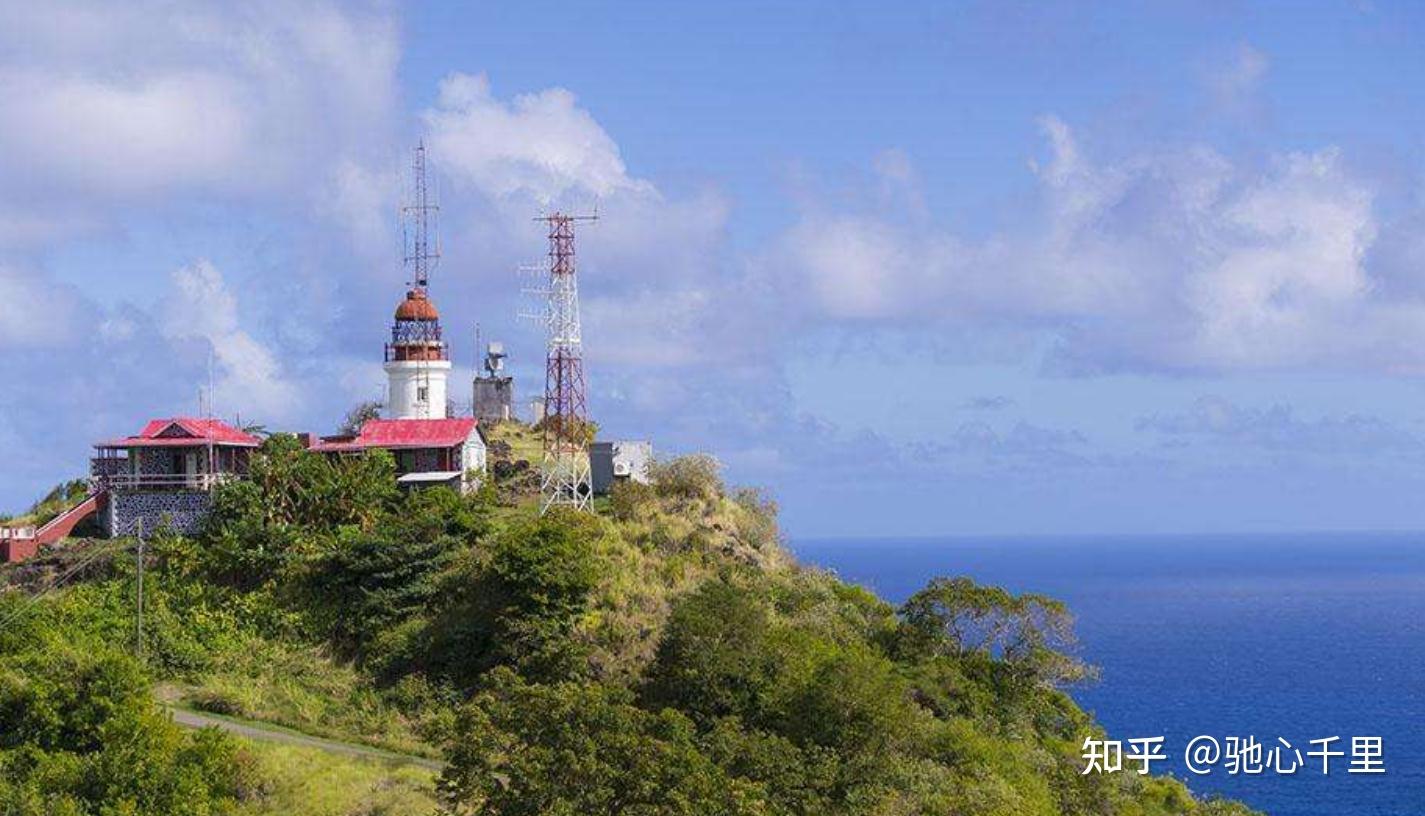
{"points": [[427, 451], [161, 476]]}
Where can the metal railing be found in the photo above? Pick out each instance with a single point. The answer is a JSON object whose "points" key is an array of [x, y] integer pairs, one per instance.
{"points": [[163, 481]]}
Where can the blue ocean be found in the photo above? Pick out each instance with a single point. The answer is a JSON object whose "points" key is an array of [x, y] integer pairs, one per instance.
{"points": [[1298, 637]]}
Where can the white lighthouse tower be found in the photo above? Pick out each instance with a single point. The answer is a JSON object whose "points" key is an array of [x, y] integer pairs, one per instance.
{"points": [[417, 360]]}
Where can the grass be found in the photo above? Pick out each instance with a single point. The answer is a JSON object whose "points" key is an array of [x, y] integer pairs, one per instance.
{"points": [[302, 688], [59, 499], [525, 442], [301, 781]]}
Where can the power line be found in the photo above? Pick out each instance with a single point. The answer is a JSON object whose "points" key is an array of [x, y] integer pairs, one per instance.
{"points": [[58, 580]]}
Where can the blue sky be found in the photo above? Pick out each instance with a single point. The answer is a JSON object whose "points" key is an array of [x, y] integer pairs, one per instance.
{"points": [[971, 268]]}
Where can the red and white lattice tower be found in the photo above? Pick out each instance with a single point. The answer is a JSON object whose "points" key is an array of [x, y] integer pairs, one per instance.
{"points": [[566, 480]]}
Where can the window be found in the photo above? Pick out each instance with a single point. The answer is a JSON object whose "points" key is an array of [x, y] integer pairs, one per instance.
{"points": [[422, 394]]}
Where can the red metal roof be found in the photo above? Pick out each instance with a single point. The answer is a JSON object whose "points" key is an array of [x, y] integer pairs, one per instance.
{"points": [[402, 433], [184, 432]]}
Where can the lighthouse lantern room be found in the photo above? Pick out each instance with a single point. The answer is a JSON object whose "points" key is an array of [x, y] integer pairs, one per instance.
{"points": [[417, 361]]}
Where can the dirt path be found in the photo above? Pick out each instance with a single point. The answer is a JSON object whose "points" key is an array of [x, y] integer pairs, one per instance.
{"points": [[271, 733]]}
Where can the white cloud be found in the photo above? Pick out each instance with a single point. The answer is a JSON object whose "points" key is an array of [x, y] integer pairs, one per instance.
{"points": [[658, 292], [1177, 259], [35, 314], [250, 375], [1277, 428], [120, 137], [115, 104], [539, 144]]}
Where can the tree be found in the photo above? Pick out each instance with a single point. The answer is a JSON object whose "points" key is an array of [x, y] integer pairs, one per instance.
{"points": [[291, 501], [520, 749], [290, 486], [957, 617], [80, 734], [515, 602], [713, 660], [369, 582], [540, 577], [357, 417], [853, 702]]}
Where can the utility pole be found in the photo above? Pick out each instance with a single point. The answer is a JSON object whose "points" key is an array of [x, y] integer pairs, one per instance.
{"points": [[138, 617]]}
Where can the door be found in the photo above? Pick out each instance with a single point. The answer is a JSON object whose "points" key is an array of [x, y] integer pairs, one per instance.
{"points": [[190, 468]]}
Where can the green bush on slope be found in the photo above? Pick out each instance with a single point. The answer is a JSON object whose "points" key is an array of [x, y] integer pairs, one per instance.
{"points": [[80, 734]]}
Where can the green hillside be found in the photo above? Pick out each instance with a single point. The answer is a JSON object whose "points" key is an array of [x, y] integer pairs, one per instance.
{"points": [[665, 656]]}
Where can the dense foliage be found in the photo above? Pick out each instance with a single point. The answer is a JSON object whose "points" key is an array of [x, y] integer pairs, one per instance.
{"points": [[80, 734], [665, 658]]}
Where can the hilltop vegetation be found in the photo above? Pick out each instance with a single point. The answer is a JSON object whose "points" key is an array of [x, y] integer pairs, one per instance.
{"points": [[665, 656], [56, 501]]}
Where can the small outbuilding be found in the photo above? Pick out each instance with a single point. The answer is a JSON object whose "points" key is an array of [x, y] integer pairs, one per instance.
{"points": [[625, 460]]}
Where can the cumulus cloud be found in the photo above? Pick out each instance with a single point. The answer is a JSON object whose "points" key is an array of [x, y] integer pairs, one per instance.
{"points": [[1177, 259], [542, 144], [250, 375], [224, 98], [658, 294]]}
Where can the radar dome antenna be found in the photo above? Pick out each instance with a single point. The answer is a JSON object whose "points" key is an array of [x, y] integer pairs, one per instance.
{"points": [[495, 359]]}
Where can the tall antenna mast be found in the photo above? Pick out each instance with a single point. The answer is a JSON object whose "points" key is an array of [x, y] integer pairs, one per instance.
{"points": [[566, 479], [422, 251]]}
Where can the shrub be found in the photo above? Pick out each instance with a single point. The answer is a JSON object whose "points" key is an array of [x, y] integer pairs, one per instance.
{"points": [[713, 660], [80, 734], [630, 500], [515, 603], [528, 750], [688, 477], [757, 524], [369, 582]]}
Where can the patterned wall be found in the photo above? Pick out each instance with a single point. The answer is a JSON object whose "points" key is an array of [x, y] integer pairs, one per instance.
{"points": [[182, 511], [108, 466]]}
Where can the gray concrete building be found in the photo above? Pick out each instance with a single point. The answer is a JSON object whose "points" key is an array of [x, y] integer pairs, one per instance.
{"points": [[611, 462]]}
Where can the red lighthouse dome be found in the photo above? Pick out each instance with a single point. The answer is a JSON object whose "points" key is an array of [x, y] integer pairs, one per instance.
{"points": [[417, 306]]}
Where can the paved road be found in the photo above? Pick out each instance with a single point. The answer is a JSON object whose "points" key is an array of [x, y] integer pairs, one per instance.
{"points": [[261, 731]]}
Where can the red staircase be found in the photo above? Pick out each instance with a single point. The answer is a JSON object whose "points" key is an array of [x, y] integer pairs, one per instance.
{"points": [[19, 547]]}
